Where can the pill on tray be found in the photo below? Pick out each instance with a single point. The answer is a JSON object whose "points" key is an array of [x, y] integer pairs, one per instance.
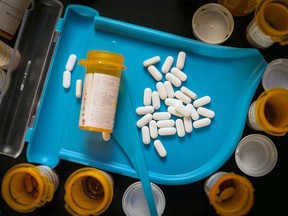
{"points": [[71, 62], [181, 96], [180, 62], [160, 148], [147, 98], [201, 123], [167, 64], [179, 74], [155, 100], [153, 129], [172, 101], [206, 112], [194, 113], [161, 115], [180, 127], [144, 120], [145, 135], [142, 110], [155, 72], [151, 61], [106, 136], [165, 123], [186, 111], [167, 131], [78, 91], [188, 124], [169, 89], [66, 79], [173, 111], [161, 90], [202, 101], [188, 92], [173, 79]]}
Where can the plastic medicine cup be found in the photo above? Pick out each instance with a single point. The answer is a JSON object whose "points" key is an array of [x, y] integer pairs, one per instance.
{"points": [[88, 191], [230, 194], [256, 155], [276, 74], [269, 112], [134, 202], [212, 23], [100, 93], [26, 186]]}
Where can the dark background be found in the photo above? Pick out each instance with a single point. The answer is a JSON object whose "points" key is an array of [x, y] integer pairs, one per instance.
{"points": [[174, 16]]}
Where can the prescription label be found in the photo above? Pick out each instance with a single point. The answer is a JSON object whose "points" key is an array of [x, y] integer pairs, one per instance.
{"points": [[99, 101]]}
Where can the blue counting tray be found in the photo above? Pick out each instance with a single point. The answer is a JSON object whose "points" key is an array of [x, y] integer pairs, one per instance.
{"points": [[230, 76]]}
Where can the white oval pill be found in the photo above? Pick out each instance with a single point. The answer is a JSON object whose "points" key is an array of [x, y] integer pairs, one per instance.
{"points": [[181, 96], [201, 101], [71, 62], [161, 115], [106, 136], [173, 79], [66, 79], [151, 61], [169, 89], [161, 90], [78, 90], [160, 148], [167, 64], [179, 74], [180, 128], [144, 120], [173, 111], [194, 113], [183, 109], [155, 72], [145, 135], [165, 123], [167, 131], [181, 60], [206, 112], [153, 129], [155, 100], [172, 101], [188, 92], [201, 123], [142, 110], [147, 98], [188, 124]]}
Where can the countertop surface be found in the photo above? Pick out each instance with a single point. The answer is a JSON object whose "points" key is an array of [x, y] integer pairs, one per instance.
{"points": [[174, 16]]}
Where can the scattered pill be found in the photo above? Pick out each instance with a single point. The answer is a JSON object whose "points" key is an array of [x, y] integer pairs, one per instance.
{"points": [[172, 101], [161, 115], [145, 135], [201, 101], [153, 129], [155, 100], [143, 110], [188, 124], [181, 96], [180, 128], [183, 110], [147, 98], [66, 79], [201, 123], [71, 62], [179, 74], [167, 64], [188, 92], [173, 79], [160, 148], [173, 111], [169, 89], [155, 72], [227, 193], [106, 136], [144, 120], [180, 62], [78, 91], [161, 90], [167, 131], [151, 61], [194, 114], [206, 112], [165, 123]]}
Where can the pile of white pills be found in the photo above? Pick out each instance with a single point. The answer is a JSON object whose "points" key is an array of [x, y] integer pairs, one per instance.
{"points": [[182, 103]]}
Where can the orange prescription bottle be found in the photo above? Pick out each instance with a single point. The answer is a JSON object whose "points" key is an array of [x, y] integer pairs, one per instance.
{"points": [[240, 7], [269, 113], [269, 24], [101, 86], [26, 186], [230, 194], [88, 191]]}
